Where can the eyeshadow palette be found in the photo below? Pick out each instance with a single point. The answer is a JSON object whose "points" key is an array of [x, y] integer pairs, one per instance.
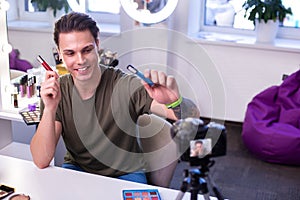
{"points": [[149, 194], [31, 117]]}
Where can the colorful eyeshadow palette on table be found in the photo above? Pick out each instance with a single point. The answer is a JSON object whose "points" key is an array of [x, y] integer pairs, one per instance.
{"points": [[151, 194]]}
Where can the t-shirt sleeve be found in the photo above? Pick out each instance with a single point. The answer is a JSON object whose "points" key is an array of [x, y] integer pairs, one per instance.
{"points": [[139, 99]]}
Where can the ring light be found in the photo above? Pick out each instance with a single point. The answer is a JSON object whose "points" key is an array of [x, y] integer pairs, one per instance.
{"points": [[144, 15]]}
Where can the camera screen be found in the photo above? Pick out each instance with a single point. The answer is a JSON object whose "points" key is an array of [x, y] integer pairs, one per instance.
{"points": [[200, 148]]}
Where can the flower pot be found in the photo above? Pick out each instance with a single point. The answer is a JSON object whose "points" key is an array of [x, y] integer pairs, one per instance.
{"points": [[266, 32]]}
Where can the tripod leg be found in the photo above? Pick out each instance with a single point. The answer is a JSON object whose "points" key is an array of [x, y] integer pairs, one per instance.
{"points": [[183, 189], [215, 189], [180, 195], [194, 194], [206, 196]]}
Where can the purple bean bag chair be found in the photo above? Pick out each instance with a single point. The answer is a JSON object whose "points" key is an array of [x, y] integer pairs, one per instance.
{"points": [[271, 129], [18, 64]]}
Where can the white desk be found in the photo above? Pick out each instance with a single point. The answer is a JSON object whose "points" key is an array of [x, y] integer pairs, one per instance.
{"points": [[63, 184]]}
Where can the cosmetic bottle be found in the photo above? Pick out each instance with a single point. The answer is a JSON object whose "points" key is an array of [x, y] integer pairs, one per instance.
{"points": [[38, 90], [15, 100], [23, 85], [29, 88]]}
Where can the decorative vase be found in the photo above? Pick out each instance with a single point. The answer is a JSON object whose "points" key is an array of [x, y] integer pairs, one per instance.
{"points": [[266, 32]]}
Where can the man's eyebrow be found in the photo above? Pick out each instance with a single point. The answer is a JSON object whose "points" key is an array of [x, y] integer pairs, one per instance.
{"points": [[67, 50], [88, 46]]}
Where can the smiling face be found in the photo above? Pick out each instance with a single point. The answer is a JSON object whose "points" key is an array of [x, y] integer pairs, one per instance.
{"points": [[79, 51]]}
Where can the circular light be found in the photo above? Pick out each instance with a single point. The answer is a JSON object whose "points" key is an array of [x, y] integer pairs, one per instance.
{"points": [[6, 48], [144, 15], [4, 5]]}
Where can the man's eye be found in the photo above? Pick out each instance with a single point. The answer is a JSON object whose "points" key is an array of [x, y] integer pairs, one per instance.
{"points": [[88, 50], [69, 53]]}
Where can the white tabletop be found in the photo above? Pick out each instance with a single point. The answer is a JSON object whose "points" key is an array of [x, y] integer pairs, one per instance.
{"points": [[55, 183]]}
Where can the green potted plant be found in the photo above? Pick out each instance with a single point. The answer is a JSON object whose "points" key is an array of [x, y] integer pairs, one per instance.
{"points": [[266, 10], [55, 5], [266, 16]]}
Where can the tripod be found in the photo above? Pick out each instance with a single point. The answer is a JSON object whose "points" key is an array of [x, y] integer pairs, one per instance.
{"points": [[195, 182]]}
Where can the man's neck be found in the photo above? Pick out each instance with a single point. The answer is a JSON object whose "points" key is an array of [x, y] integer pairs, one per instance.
{"points": [[87, 89]]}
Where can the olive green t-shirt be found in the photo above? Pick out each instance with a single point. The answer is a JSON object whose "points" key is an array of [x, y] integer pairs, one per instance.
{"points": [[100, 132]]}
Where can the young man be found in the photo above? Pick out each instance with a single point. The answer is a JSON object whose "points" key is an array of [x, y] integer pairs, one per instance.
{"points": [[198, 149], [95, 108]]}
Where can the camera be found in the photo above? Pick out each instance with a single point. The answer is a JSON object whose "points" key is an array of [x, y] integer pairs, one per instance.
{"points": [[197, 142]]}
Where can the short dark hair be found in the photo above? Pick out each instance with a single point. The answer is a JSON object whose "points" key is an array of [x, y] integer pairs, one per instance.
{"points": [[75, 21], [198, 142]]}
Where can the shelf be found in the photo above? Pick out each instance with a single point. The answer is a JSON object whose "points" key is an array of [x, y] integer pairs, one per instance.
{"points": [[18, 150]]}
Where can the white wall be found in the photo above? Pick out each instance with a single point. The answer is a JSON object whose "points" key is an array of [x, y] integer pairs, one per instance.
{"points": [[248, 71], [31, 44]]}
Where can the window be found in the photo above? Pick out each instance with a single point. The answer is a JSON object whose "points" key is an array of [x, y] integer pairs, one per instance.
{"points": [[227, 16], [104, 7], [102, 10]]}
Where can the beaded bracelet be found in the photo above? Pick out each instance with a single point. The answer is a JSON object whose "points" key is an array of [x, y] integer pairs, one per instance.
{"points": [[175, 103]]}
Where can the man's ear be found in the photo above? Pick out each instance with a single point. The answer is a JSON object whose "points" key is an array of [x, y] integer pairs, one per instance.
{"points": [[59, 54], [98, 44]]}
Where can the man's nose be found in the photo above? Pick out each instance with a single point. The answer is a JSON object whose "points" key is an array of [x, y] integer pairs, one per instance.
{"points": [[80, 59]]}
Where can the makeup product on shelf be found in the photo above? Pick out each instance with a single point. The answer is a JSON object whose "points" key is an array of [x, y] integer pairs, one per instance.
{"points": [[29, 88], [17, 87], [14, 96], [16, 104], [23, 85], [33, 85], [32, 115], [38, 91], [31, 107]]}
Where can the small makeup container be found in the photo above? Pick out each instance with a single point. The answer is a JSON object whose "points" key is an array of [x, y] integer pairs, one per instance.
{"points": [[38, 91], [33, 85], [29, 89], [31, 107], [23, 85], [15, 97], [17, 87]]}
